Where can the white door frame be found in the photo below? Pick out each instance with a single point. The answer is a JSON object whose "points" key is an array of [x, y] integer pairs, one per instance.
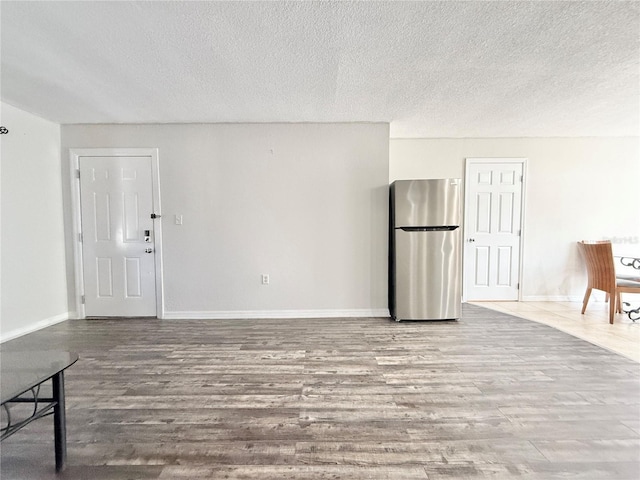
{"points": [[74, 160], [480, 160]]}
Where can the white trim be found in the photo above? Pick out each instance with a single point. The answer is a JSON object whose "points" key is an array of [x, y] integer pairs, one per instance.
{"points": [[478, 160], [239, 314], [157, 232], [74, 168], [74, 162], [47, 322]]}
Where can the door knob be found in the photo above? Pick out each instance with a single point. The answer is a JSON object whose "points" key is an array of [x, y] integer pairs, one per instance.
{"points": [[472, 240], [148, 250]]}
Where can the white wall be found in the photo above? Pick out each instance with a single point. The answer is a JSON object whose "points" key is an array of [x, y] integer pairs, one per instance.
{"points": [[304, 203], [576, 189], [34, 289]]}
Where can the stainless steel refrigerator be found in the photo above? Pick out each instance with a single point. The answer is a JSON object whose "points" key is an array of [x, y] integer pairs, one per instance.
{"points": [[425, 250]]}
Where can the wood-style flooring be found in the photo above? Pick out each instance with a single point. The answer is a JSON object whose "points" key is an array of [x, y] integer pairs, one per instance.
{"points": [[490, 395], [623, 336]]}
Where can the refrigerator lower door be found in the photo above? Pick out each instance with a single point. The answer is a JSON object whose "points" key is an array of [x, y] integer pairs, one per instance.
{"points": [[427, 275]]}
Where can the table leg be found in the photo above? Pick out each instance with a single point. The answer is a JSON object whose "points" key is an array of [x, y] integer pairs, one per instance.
{"points": [[59, 421]]}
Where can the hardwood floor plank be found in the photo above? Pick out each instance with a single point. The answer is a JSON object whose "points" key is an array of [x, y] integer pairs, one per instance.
{"points": [[609, 450], [296, 472], [534, 471], [556, 430], [395, 453]]}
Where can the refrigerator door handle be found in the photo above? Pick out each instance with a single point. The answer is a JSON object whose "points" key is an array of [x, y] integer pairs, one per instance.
{"points": [[440, 228]]}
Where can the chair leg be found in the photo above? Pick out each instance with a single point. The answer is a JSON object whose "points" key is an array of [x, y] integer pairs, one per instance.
{"points": [[619, 302], [612, 308], [587, 294]]}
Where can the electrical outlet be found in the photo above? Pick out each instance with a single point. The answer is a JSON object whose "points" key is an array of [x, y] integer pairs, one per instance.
{"points": [[178, 219], [265, 279]]}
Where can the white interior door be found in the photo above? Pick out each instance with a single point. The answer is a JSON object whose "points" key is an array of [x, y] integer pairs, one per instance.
{"points": [[116, 202], [492, 230]]}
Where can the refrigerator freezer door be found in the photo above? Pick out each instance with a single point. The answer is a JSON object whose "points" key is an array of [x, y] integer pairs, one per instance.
{"points": [[428, 275], [426, 202]]}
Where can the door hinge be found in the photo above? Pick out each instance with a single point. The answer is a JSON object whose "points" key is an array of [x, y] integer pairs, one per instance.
{"points": [[77, 173], [517, 286], [82, 299], [521, 178], [80, 238]]}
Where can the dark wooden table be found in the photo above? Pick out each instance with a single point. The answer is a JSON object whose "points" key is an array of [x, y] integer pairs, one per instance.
{"points": [[21, 376]]}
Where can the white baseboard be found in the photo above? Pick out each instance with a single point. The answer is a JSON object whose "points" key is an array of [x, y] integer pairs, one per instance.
{"points": [[239, 314], [47, 322]]}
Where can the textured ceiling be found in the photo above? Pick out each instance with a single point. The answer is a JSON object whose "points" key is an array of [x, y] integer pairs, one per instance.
{"points": [[431, 69]]}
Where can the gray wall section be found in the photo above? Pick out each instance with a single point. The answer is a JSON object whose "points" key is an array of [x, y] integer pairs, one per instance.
{"points": [[304, 203], [34, 290]]}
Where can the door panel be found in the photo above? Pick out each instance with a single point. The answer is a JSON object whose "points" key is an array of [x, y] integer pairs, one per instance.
{"points": [[116, 202], [504, 266], [104, 277], [131, 211], [483, 213], [482, 266], [505, 217], [492, 231], [133, 277], [101, 216]]}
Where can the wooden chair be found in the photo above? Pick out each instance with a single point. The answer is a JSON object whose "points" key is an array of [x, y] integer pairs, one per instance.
{"points": [[601, 272]]}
